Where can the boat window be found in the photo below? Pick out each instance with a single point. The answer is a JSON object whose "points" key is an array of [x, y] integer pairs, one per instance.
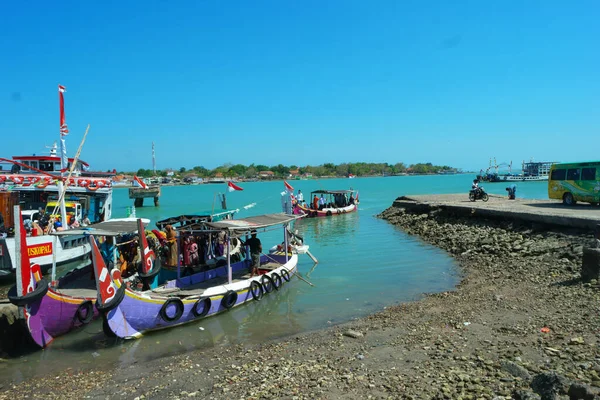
{"points": [[588, 174], [26, 163], [46, 166], [573, 174], [559, 174], [57, 166], [34, 164]]}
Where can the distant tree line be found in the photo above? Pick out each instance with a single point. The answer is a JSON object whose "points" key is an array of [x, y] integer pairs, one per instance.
{"points": [[326, 170]]}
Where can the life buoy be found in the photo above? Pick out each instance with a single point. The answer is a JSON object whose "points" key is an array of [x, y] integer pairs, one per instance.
{"points": [[85, 312], [83, 183], [2, 178], [207, 303], [229, 299], [17, 180], [43, 183], [285, 274], [100, 183], [178, 309], [267, 283], [71, 182], [254, 287], [276, 280], [40, 291], [34, 179], [114, 303], [92, 188]]}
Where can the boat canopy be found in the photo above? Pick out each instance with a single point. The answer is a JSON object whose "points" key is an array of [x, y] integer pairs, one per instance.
{"points": [[116, 227], [333, 191], [241, 226], [194, 221]]}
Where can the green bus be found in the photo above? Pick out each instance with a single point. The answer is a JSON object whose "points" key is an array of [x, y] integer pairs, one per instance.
{"points": [[573, 182]]}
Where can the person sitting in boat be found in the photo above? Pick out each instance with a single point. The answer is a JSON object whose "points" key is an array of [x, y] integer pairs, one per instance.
{"points": [[322, 202], [255, 251], [58, 225], [351, 202], [85, 221]]}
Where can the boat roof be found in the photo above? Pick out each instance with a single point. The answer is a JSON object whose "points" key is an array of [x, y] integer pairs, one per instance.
{"points": [[45, 158], [113, 227], [251, 223], [191, 221], [332, 191]]}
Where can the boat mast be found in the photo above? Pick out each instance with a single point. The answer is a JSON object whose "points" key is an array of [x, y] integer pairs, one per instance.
{"points": [[64, 160], [153, 160]]}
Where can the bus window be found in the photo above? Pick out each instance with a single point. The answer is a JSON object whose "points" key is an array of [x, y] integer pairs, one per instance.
{"points": [[588, 174], [573, 174], [559, 175]]}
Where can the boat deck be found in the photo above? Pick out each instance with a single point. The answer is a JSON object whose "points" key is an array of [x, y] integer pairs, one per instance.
{"points": [[84, 286]]}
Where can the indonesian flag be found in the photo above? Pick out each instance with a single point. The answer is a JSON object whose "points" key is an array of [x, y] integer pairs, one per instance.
{"points": [[138, 182], [288, 187], [233, 187]]}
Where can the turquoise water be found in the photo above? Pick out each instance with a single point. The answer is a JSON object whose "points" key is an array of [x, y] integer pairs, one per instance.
{"points": [[364, 265]]}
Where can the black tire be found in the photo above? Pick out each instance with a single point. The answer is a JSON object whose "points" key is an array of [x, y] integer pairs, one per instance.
{"points": [[277, 282], [285, 274], [39, 292], [485, 197], [328, 213], [150, 275], [207, 303], [114, 303], [568, 199], [229, 299], [268, 286], [85, 312], [471, 196], [254, 286], [178, 313]]}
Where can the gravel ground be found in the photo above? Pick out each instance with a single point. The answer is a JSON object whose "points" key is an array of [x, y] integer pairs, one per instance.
{"points": [[520, 325]]}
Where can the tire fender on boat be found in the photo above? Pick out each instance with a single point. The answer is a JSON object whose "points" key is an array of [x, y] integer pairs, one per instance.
{"points": [[329, 213], [207, 303], [178, 306], [277, 282], [253, 287], [268, 285], [229, 299], [285, 274], [36, 295], [114, 303], [85, 312]]}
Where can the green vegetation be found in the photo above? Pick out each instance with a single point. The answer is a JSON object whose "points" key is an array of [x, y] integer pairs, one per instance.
{"points": [[326, 170]]}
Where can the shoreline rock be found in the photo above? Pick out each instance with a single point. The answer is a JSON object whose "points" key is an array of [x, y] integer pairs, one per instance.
{"points": [[521, 324]]}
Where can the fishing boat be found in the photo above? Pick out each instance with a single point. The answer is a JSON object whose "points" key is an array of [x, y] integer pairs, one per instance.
{"points": [[335, 202], [53, 186], [51, 309], [530, 172], [129, 313]]}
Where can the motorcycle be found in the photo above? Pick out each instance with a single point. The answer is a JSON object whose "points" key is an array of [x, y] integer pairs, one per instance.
{"points": [[478, 194]]}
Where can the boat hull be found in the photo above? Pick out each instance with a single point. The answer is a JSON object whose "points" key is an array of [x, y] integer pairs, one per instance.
{"points": [[138, 313], [327, 212]]}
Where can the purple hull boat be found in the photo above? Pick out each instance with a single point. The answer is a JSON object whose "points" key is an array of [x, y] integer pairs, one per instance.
{"points": [[129, 314]]}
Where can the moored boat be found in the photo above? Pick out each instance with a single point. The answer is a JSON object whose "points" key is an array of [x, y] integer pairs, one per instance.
{"points": [[203, 294], [51, 309], [330, 202]]}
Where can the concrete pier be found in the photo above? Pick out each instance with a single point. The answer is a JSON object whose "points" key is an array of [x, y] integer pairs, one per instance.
{"points": [[138, 195], [551, 212]]}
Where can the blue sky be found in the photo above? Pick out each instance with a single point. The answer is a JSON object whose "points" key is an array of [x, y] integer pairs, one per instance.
{"points": [[303, 82]]}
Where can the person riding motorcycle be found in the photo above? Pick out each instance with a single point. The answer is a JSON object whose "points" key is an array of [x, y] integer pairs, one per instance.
{"points": [[475, 185]]}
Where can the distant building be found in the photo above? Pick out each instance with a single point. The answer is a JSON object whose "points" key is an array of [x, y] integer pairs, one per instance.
{"points": [[266, 175]]}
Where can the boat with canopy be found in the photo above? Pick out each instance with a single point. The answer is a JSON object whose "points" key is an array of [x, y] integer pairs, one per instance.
{"points": [[325, 203]]}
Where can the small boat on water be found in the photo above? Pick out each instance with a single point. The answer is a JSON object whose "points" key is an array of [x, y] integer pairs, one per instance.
{"points": [[129, 313], [325, 203], [51, 309]]}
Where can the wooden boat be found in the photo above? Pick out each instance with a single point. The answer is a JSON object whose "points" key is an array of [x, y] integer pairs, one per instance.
{"points": [[129, 313], [337, 202], [54, 309]]}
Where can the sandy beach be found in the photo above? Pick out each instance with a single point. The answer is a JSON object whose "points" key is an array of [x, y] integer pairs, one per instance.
{"points": [[521, 324]]}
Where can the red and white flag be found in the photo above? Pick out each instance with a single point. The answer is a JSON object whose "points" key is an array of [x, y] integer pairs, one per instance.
{"points": [[64, 130], [233, 187], [288, 187], [138, 182]]}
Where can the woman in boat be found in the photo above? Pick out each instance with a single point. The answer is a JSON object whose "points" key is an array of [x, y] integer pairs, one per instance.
{"points": [[315, 203], [173, 253]]}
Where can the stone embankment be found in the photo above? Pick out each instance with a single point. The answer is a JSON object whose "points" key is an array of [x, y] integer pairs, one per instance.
{"points": [[521, 324]]}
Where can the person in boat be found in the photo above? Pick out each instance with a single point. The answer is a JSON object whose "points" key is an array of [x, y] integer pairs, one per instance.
{"points": [[351, 199], [173, 253], [322, 202], [85, 221], [300, 197], [36, 229], [255, 251], [315, 203]]}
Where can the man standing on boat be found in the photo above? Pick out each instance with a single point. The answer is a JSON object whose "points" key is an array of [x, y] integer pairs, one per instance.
{"points": [[255, 251], [300, 197]]}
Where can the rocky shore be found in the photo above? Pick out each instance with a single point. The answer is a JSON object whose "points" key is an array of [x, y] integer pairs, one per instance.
{"points": [[521, 324]]}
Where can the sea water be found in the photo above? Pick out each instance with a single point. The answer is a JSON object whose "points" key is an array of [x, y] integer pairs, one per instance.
{"points": [[365, 264]]}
